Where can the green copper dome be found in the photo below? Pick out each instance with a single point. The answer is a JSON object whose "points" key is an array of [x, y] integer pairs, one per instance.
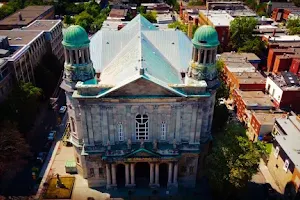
{"points": [[75, 37], [206, 36]]}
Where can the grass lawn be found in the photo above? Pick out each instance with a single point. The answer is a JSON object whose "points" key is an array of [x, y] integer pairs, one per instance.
{"points": [[269, 147], [60, 193]]}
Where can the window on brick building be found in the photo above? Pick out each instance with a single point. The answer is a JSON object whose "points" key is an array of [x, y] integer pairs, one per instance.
{"points": [[276, 153], [92, 173], [286, 165]]}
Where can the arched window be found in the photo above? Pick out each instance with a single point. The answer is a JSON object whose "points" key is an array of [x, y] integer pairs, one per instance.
{"points": [[142, 127], [163, 130], [120, 131], [73, 124]]}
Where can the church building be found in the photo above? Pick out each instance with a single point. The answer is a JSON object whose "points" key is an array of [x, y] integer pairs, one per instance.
{"points": [[140, 103]]}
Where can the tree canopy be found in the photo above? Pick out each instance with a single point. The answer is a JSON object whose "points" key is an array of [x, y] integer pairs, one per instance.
{"points": [[241, 38], [196, 3], [233, 160], [293, 26], [181, 26], [14, 150]]}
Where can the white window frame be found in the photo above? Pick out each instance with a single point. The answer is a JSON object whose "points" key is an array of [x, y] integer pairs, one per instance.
{"points": [[120, 131], [276, 152], [142, 127], [286, 165], [163, 130]]}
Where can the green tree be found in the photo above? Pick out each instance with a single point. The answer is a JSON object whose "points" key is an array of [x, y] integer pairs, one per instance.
{"points": [[223, 90], [241, 29], [179, 25], [233, 160], [297, 3], [68, 20], [150, 16], [141, 9], [293, 26], [84, 19], [92, 8], [255, 45], [14, 151], [196, 3]]}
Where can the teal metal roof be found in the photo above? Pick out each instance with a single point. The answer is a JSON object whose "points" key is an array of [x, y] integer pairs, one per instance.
{"points": [[75, 37], [206, 36]]}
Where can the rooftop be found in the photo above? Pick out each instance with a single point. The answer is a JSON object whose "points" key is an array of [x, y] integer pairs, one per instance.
{"points": [[29, 14], [240, 56], [42, 25], [285, 38], [218, 18], [20, 37], [117, 13], [267, 118], [255, 99], [119, 55], [290, 142], [287, 81], [250, 77]]}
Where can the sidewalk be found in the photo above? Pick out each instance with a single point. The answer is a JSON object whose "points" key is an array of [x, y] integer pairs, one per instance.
{"points": [[269, 179]]}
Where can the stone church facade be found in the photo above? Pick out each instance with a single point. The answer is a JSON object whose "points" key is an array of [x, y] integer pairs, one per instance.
{"points": [[138, 118]]}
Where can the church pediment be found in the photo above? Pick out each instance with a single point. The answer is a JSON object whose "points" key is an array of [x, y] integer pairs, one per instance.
{"points": [[142, 87], [142, 153]]}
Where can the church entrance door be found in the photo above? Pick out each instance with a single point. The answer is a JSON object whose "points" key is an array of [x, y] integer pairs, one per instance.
{"points": [[142, 174], [163, 175], [120, 175]]}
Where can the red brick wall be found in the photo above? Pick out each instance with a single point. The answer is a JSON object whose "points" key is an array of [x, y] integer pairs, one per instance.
{"points": [[291, 98], [252, 87], [296, 174], [255, 125], [240, 106], [282, 64], [223, 35], [295, 67], [272, 56]]}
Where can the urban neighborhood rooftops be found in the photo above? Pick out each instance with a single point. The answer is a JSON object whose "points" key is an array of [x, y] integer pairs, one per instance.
{"points": [[42, 25], [20, 37], [251, 57], [267, 118], [249, 78], [287, 81], [117, 14], [218, 18], [25, 16]]}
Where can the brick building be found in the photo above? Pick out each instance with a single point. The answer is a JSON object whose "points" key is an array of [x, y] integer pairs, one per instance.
{"points": [[190, 13], [272, 55], [26, 47], [284, 161], [247, 101], [284, 89], [295, 67], [220, 20], [261, 124], [26, 16]]}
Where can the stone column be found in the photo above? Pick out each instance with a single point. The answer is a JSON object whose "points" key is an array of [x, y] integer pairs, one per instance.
{"points": [[199, 55], [108, 176], [127, 174], [175, 173], [170, 173], [205, 56], [157, 173], [151, 173], [114, 176], [210, 55], [71, 56], [76, 56], [66, 55], [132, 174], [82, 55]]}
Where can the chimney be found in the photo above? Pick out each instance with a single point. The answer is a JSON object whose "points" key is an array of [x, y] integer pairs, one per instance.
{"points": [[190, 30], [20, 17], [274, 32], [142, 71]]}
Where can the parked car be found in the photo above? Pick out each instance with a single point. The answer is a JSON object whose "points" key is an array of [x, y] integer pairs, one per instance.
{"points": [[62, 109], [52, 135], [41, 157]]}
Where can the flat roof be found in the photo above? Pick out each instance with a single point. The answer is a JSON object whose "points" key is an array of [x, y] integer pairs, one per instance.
{"points": [[118, 13], [267, 118], [29, 14], [42, 25], [250, 77], [285, 38], [287, 81], [19, 37], [241, 56], [218, 18], [258, 102], [290, 142]]}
